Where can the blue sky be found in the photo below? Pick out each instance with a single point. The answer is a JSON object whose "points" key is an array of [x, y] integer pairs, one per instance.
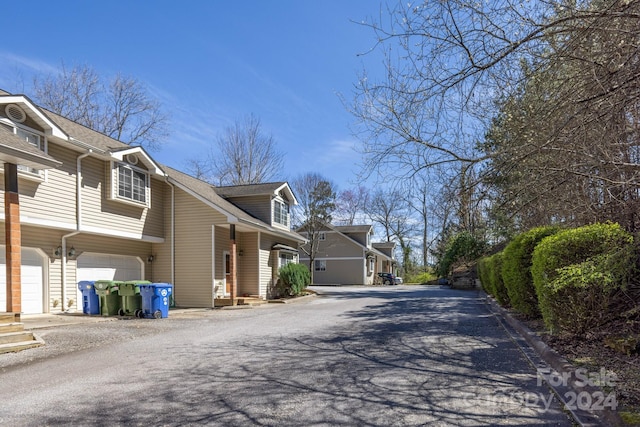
{"points": [[212, 62]]}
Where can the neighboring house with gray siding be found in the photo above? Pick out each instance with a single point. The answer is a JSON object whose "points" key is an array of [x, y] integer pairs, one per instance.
{"points": [[91, 208], [347, 256]]}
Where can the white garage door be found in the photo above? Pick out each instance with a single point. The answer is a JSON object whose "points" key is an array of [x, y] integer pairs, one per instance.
{"points": [[108, 267], [32, 280]]}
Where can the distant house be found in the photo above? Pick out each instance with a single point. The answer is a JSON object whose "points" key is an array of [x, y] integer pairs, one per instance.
{"points": [[89, 207], [347, 256]]}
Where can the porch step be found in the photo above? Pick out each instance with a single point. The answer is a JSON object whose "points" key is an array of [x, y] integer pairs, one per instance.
{"points": [[13, 337], [6, 328], [9, 318]]}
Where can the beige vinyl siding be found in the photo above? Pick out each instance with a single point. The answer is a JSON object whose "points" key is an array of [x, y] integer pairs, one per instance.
{"points": [[266, 263], [101, 213], [161, 266], [193, 259], [257, 206], [337, 245], [342, 272], [52, 200], [248, 268]]}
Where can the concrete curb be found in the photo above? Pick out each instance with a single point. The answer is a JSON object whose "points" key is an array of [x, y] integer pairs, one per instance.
{"points": [[292, 300], [564, 369]]}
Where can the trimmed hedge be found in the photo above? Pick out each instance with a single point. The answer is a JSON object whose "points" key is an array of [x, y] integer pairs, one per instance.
{"points": [[579, 275], [484, 274], [495, 279], [294, 278], [516, 270]]}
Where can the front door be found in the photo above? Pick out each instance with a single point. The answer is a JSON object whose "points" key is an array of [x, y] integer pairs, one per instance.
{"points": [[227, 272]]}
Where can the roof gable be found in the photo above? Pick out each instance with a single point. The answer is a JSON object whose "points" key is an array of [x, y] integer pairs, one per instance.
{"points": [[35, 113], [262, 189]]}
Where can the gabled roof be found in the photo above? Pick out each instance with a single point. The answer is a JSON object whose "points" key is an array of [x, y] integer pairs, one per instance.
{"points": [[353, 228], [207, 194], [34, 112], [385, 245], [18, 151], [262, 189], [78, 135], [339, 229]]}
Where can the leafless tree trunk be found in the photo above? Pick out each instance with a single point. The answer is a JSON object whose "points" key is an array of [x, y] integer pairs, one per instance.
{"points": [[242, 154], [316, 203], [122, 109], [351, 204]]}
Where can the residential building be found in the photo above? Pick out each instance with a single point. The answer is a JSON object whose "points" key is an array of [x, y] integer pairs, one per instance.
{"points": [[88, 207], [346, 255]]}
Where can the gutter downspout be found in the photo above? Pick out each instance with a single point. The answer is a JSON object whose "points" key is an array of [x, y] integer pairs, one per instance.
{"points": [[78, 226], [173, 228]]}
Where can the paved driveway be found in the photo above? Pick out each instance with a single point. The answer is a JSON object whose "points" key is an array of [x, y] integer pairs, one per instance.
{"points": [[389, 356]]}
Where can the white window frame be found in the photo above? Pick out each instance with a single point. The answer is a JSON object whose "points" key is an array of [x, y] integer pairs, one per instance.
{"points": [[25, 171], [288, 256], [281, 217], [322, 236], [320, 265], [115, 184]]}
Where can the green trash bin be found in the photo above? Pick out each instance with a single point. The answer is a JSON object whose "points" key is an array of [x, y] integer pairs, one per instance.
{"points": [[130, 299], [108, 297]]}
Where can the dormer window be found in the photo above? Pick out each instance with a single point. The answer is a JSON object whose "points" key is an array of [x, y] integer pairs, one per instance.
{"points": [[280, 213], [130, 184]]}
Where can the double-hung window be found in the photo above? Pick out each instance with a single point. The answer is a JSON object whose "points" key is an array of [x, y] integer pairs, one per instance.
{"points": [[130, 184], [281, 213], [320, 265]]}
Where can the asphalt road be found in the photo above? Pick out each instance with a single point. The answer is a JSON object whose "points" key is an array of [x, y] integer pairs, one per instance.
{"points": [[354, 356]]}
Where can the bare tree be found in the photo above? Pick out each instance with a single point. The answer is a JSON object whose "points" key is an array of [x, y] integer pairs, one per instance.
{"points": [[351, 203], [242, 154], [389, 211], [451, 67], [123, 108], [316, 202]]}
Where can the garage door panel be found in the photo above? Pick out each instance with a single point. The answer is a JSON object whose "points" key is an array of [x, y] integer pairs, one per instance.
{"points": [[32, 280]]}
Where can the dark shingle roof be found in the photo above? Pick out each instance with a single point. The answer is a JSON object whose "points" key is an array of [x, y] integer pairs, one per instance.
{"points": [[249, 189], [18, 151]]}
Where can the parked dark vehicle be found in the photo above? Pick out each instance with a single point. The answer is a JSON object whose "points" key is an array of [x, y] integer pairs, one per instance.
{"points": [[387, 278]]}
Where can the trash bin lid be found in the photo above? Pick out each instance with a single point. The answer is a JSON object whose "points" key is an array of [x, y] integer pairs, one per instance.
{"points": [[86, 284]]}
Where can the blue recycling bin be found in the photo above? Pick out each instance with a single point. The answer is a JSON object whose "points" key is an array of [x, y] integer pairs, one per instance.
{"points": [[90, 300], [156, 298]]}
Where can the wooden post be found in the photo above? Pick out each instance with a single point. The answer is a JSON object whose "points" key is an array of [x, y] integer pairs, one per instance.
{"points": [[232, 264], [13, 239]]}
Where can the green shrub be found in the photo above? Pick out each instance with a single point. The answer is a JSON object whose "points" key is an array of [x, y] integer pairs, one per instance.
{"points": [[516, 270], [424, 277], [484, 267], [495, 278], [294, 278], [579, 275], [462, 248]]}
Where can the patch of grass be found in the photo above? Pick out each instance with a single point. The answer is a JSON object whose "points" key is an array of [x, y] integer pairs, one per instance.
{"points": [[420, 278]]}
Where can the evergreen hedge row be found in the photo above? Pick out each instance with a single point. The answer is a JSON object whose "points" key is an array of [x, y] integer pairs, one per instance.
{"points": [[579, 275], [516, 270]]}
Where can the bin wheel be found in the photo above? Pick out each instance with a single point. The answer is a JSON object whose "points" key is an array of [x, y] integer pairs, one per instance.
{"points": [[157, 314], [138, 314], [120, 312]]}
